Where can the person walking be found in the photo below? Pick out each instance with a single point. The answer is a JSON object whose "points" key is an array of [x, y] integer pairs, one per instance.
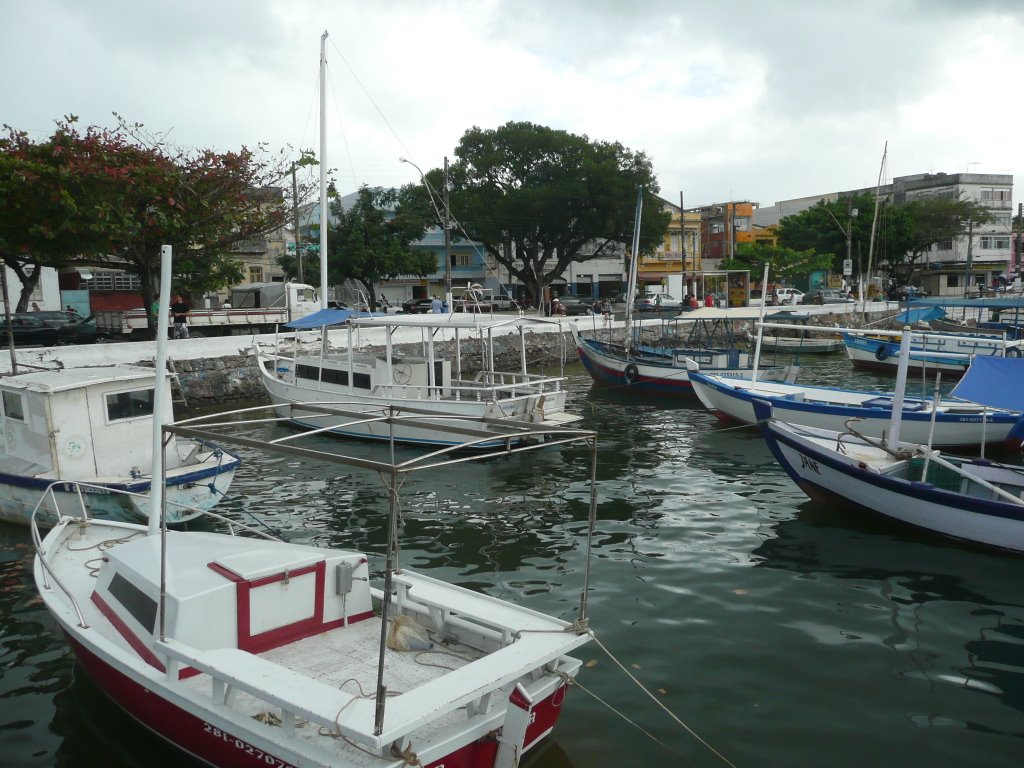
{"points": [[435, 306], [180, 310]]}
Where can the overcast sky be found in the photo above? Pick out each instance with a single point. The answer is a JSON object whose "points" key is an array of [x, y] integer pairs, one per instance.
{"points": [[741, 100]]}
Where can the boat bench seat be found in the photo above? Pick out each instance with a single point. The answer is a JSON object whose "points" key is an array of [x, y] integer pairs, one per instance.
{"points": [[437, 600], [295, 693]]}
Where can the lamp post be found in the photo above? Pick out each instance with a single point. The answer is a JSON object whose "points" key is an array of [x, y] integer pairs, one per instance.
{"points": [[847, 230], [445, 223]]}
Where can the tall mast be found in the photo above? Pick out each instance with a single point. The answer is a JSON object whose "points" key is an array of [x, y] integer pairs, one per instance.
{"points": [[323, 170], [874, 220], [633, 266]]}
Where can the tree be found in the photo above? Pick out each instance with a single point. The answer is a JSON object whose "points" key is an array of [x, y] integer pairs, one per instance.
{"points": [[824, 227], [111, 198], [538, 199], [782, 262], [933, 219], [372, 239]]}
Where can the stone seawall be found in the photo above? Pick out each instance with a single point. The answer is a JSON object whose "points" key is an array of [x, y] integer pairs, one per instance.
{"points": [[222, 370]]}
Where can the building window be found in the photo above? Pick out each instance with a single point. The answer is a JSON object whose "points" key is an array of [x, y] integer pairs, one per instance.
{"points": [[717, 228], [112, 280], [952, 281], [130, 405], [462, 260], [995, 194], [994, 242], [944, 245], [1001, 219], [255, 274], [13, 408]]}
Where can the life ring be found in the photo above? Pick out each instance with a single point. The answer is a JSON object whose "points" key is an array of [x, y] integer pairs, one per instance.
{"points": [[630, 373], [882, 353], [1012, 352]]}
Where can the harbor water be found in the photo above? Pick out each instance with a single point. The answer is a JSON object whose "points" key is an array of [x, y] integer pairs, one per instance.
{"points": [[783, 632]]}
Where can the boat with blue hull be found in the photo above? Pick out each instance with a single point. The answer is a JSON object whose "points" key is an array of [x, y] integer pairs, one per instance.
{"points": [[707, 337], [955, 423], [946, 352], [972, 500]]}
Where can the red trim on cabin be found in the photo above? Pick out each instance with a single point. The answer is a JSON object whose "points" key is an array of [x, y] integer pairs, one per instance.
{"points": [[125, 631], [289, 633]]}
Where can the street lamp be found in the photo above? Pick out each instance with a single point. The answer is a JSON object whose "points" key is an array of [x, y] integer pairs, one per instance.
{"points": [[847, 230], [445, 224]]}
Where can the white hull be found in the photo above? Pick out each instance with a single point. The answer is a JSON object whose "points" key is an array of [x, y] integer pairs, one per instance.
{"points": [[434, 410], [867, 477], [176, 688], [956, 424]]}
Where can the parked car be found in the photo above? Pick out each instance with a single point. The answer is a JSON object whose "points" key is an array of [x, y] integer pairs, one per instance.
{"points": [[826, 296], [28, 330], [417, 306], [574, 305], [787, 296], [657, 302]]}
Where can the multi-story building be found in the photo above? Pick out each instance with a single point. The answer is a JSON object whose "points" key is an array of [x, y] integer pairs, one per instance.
{"points": [[679, 253], [723, 226], [953, 266]]}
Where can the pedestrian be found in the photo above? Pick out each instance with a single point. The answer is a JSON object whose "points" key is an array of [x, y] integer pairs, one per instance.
{"points": [[70, 311], [558, 307], [35, 306], [180, 311], [435, 305], [606, 308], [709, 300], [597, 307]]}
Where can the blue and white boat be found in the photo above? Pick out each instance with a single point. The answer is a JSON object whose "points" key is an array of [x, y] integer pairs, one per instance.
{"points": [[956, 423], [91, 426], [972, 500]]}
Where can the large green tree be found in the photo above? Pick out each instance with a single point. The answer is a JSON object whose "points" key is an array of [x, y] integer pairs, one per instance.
{"points": [[538, 199], [371, 240]]}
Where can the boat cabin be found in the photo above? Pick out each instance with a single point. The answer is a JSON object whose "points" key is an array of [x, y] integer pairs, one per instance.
{"points": [[250, 599], [84, 422]]}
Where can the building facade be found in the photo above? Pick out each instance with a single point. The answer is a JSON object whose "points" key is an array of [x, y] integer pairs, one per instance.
{"points": [[952, 267]]}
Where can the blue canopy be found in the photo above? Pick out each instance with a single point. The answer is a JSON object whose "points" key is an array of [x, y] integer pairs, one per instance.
{"points": [[994, 381], [321, 318], [920, 314]]}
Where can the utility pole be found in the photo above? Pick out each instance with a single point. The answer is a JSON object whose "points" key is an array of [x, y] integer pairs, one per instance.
{"points": [[682, 238], [447, 243], [970, 255], [295, 218], [1016, 261]]}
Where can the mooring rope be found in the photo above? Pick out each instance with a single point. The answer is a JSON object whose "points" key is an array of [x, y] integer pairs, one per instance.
{"points": [[667, 711]]}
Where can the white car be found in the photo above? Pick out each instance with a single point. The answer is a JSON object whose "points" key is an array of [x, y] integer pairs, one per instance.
{"points": [[788, 296]]}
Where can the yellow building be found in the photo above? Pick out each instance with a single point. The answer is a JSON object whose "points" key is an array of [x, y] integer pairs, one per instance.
{"points": [[678, 253]]}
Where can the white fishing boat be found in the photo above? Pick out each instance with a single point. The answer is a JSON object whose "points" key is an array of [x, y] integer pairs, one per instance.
{"points": [[428, 382], [246, 651], [950, 353], [973, 500], [92, 425], [951, 422]]}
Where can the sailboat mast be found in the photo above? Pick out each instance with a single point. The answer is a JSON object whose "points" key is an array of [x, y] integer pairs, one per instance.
{"points": [[874, 220], [633, 265], [323, 170]]}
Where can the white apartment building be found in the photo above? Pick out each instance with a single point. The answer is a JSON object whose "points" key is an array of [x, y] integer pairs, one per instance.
{"points": [[954, 265]]}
